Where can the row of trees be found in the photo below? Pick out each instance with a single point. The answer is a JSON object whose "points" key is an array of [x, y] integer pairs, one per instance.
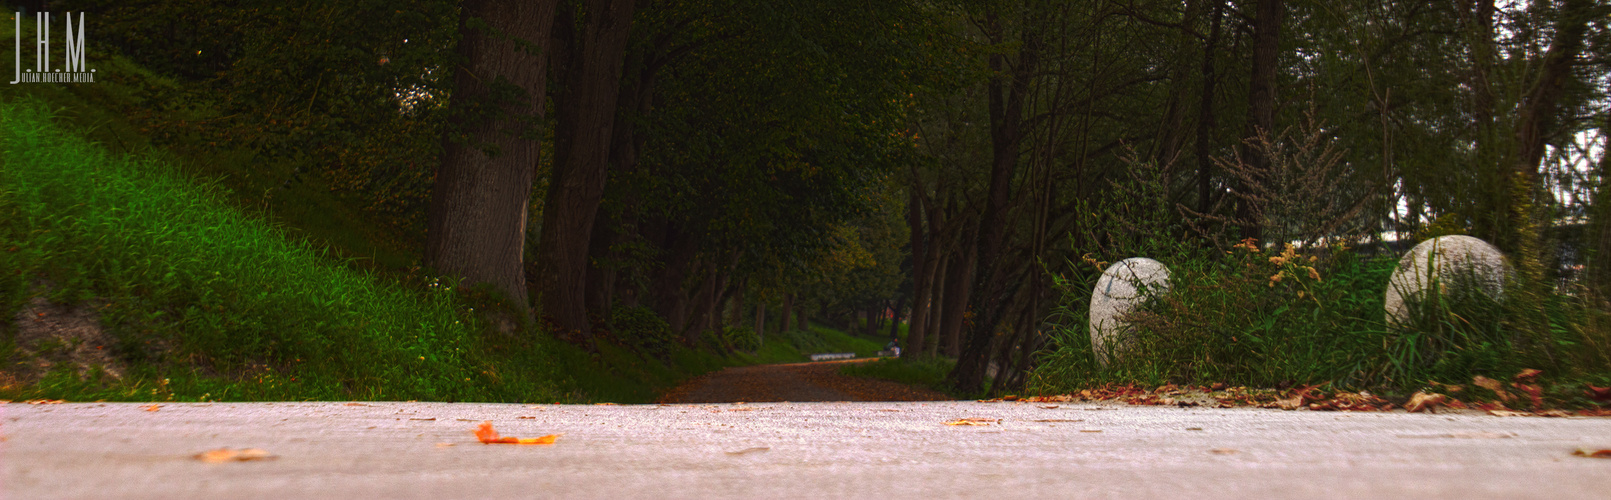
{"points": [[694, 157], [946, 158], [1283, 120]]}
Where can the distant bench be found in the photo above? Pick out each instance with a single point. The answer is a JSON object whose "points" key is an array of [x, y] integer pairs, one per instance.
{"points": [[832, 355]]}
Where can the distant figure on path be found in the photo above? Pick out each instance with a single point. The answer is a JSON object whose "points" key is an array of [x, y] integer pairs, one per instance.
{"points": [[894, 346]]}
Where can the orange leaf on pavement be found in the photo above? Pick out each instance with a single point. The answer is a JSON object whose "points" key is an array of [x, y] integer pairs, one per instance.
{"points": [[1592, 454], [487, 435], [227, 455], [972, 421], [152, 407]]}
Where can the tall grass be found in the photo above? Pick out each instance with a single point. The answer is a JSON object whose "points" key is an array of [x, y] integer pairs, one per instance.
{"points": [[1256, 319], [206, 301]]}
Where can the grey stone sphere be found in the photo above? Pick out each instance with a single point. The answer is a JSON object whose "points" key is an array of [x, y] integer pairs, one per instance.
{"points": [[1448, 258], [1118, 291]]}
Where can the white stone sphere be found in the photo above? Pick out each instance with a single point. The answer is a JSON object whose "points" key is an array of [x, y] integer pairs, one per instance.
{"points": [[1118, 291], [1451, 259]]}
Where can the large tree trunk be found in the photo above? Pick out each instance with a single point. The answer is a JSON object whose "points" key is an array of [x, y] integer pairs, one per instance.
{"points": [[942, 270], [760, 319], [667, 288], [587, 109], [1008, 88], [477, 221], [1261, 104], [633, 103], [958, 287], [920, 268]]}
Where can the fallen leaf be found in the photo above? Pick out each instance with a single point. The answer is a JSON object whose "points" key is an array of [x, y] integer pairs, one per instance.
{"points": [[426, 419], [1526, 375], [1448, 387], [444, 445], [1422, 401], [1223, 451], [152, 407], [1492, 385], [356, 404], [489, 436], [1291, 403], [747, 451], [1049, 407], [1508, 413], [523, 417], [973, 421], [1535, 393], [1592, 454], [46, 401], [740, 409], [1601, 395], [230, 455]]}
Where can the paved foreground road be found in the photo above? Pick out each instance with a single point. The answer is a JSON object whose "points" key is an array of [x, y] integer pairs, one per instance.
{"points": [[791, 450]]}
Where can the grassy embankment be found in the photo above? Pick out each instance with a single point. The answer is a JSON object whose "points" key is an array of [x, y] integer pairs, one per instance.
{"points": [[220, 273], [212, 279], [200, 300]]}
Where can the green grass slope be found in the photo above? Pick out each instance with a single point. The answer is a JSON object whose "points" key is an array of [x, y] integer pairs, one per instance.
{"points": [[202, 301]]}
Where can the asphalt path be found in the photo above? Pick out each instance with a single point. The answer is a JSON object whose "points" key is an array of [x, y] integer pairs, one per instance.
{"points": [[797, 382], [332, 450]]}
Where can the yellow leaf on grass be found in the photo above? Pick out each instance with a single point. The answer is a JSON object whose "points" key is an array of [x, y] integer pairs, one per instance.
{"points": [[487, 435]]}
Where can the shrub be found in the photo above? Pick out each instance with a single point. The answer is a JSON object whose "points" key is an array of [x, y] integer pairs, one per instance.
{"points": [[807, 341], [742, 339], [642, 329]]}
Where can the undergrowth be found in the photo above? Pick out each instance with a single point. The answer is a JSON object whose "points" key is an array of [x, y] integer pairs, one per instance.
{"points": [[1254, 318]]}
